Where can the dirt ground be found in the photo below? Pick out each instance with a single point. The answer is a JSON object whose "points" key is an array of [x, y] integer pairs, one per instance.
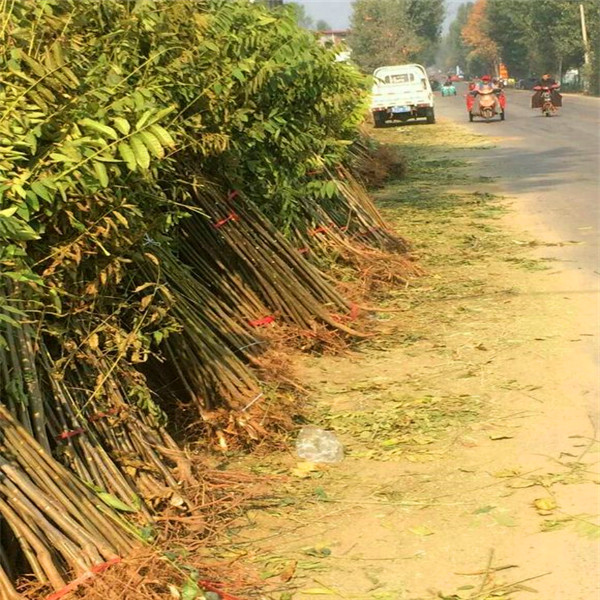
{"points": [[469, 424]]}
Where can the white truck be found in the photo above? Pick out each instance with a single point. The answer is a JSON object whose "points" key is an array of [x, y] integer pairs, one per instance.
{"points": [[400, 93]]}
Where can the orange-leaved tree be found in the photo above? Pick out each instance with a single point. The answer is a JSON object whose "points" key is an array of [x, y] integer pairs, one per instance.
{"points": [[484, 53]]}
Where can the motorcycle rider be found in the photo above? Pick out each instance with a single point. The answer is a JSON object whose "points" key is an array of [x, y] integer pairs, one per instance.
{"points": [[485, 81], [547, 81]]}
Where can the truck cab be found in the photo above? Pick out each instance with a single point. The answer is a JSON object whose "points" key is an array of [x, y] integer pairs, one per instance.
{"points": [[400, 93]]}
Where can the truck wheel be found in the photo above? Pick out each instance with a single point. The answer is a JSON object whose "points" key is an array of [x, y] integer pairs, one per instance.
{"points": [[430, 116], [379, 119]]}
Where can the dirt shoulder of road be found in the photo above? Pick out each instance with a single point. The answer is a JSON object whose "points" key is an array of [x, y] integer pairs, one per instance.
{"points": [[469, 424]]}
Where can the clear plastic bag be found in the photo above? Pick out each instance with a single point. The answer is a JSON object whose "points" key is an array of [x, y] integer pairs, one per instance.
{"points": [[319, 445]]}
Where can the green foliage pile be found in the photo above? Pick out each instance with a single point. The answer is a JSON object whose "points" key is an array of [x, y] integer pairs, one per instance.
{"points": [[160, 162]]}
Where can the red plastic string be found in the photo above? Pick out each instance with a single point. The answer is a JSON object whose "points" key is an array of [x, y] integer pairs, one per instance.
{"points": [[231, 217], [216, 587], [69, 434], [233, 194], [102, 415], [318, 230], [261, 322], [354, 310], [95, 570], [303, 250]]}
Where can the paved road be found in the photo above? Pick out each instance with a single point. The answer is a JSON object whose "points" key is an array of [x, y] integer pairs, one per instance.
{"points": [[551, 166]]}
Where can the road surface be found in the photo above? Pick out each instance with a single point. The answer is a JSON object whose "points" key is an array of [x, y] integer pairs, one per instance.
{"points": [[550, 165]]}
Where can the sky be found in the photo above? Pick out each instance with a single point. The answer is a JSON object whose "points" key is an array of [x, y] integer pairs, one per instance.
{"points": [[337, 12]]}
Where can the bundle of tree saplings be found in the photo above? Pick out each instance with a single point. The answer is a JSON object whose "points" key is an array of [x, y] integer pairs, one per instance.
{"points": [[166, 169], [52, 522]]}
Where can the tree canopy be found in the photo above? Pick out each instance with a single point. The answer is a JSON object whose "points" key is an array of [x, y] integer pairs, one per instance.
{"points": [[453, 52], [478, 37], [304, 20], [529, 37], [388, 32]]}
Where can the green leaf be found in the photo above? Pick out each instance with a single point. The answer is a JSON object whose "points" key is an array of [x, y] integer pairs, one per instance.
{"points": [[331, 189], [484, 510], [100, 128], [122, 125], [101, 173], [141, 153], [504, 519], [8, 212], [13, 310], [163, 135], [62, 158], [587, 529], [23, 276], [148, 533], [127, 155], [190, 590], [23, 211], [161, 114], [421, 530], [6, 319], [41, 190], [115, 502], [210, 45], [56, 301], [143, 120], [153, 144]]}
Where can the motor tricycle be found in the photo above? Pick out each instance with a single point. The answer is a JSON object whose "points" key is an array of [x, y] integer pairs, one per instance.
{"points": [[486, 102], [448, 89]]}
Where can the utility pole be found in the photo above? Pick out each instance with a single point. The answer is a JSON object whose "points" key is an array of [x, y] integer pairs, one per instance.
{"points": [[586, 47]]}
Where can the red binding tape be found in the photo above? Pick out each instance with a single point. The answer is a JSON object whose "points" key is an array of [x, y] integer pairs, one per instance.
{"points": [[103, 415], [231, 217], [69, 434], [95, 570], [216, 587], [321, 229], [303, 250], [261, 322], [354, 310], [233, 194]]}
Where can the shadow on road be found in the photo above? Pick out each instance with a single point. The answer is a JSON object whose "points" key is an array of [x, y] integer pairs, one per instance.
{"points": [[543, 170]]}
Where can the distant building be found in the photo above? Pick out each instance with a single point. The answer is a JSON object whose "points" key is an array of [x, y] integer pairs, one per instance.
{"points": [[333, 36]]}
